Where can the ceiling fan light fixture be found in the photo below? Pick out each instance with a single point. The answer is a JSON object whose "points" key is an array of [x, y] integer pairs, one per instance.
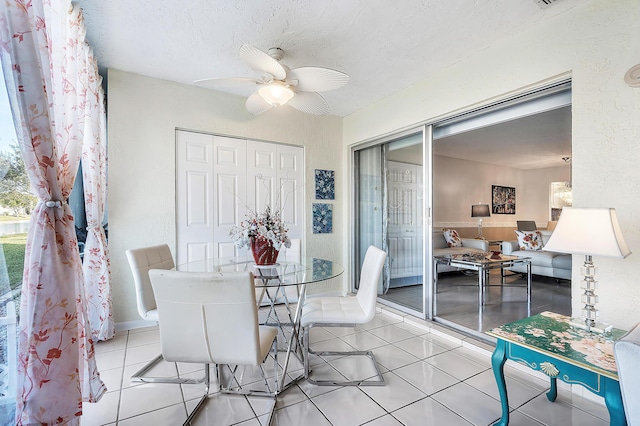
{"points": [[279, 85], [276, 93]]}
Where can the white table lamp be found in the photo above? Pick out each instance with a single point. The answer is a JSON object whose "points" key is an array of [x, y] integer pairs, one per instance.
{"points": [[592, 232]]}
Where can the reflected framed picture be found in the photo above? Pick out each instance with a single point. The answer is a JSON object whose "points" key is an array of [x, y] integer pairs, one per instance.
{"points": [[503, 199]]}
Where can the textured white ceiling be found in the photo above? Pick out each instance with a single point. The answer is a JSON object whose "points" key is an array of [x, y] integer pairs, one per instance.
{"points": [[531, 142], [383, 45]]}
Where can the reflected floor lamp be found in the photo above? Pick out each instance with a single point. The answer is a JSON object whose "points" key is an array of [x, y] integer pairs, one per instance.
{"points": [[592, 232], [480, 211]]}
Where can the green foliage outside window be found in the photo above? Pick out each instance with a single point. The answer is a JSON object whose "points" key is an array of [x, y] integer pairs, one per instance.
{"points": [[15, 193], [13, 246]]}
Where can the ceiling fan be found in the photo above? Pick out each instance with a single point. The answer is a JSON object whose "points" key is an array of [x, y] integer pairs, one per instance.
{"points": [[279, 85]]}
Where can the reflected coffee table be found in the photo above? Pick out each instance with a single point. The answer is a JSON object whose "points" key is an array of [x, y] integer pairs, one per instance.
{"points": [[483, 263]]}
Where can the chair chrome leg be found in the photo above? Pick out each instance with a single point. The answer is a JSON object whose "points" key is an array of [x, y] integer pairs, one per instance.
{"points": [[219, 376], [276, 391], [240, 390], [203, 399], [139, 376], [274, 349], [363, 382], [305, 349]]}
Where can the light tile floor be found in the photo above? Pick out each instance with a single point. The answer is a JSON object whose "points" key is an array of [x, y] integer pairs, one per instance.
{"points": [[434, 376]]}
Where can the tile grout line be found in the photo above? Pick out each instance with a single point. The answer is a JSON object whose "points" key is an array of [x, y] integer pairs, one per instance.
{"points": [[124, 362], [471, 345], [464, 343]]}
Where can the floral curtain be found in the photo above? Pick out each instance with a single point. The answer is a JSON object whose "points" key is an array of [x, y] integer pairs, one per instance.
{"points": [[97, 275], [43, 54]]}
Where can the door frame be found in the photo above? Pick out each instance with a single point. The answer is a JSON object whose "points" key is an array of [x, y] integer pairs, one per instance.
{"points": [[557, 83], [426, 208]]}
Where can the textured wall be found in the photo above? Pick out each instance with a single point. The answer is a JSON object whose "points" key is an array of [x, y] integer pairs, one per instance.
{"points": [[595, 43], [143, 114]]}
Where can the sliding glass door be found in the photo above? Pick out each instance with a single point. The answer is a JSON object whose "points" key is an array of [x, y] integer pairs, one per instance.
{"points": [[412, 185], [523, 144], [389, 200]]}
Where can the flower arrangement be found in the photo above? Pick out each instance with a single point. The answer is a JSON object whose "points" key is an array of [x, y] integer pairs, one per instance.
{"points": [[267, 225]]}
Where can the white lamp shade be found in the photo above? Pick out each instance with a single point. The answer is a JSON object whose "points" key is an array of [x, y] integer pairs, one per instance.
{"points": [[588, 231], [276, 93]]}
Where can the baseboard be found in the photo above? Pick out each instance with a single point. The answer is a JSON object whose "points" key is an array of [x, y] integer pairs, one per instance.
{"points": [[132, 325]]}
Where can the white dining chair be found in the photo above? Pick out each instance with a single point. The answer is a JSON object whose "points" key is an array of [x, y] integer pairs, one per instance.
{"points": [[291, 253], [345, 311], [141, 260], [212, 318], [627, 353]]}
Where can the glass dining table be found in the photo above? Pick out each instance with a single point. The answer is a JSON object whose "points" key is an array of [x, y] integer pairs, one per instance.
{"points": [[271, 282]]}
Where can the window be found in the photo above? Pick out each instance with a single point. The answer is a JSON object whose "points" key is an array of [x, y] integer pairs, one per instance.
{"points": [[16, 203], [561, 196]]}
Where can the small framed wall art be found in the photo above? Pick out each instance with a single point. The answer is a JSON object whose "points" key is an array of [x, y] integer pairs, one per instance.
{"points": [[503, 199], [322, 218], [325, 184]]}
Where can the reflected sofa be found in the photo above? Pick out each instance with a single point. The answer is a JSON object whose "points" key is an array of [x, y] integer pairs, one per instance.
{"points": [[545, 263], [469, 245]]}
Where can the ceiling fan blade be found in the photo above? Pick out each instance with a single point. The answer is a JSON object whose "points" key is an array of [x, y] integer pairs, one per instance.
{"points": [[310, 103], [261, 62], [227, 82], [317, 79], [256, 105]]}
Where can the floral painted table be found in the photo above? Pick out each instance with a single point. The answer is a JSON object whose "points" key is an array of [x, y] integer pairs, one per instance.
{"points": [[547, 342]]}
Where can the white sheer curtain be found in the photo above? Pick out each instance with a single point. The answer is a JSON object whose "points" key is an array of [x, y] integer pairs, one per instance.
{"points": [[42, 48], [97, 275], [371, 203]]}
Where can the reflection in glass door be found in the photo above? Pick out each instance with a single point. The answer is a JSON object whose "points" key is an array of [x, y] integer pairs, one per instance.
{"points": [[369, 206], [389, 214]]}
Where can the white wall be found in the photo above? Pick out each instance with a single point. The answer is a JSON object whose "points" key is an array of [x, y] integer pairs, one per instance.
{"points": [[143, 114], [595, 43], [457, 184]]}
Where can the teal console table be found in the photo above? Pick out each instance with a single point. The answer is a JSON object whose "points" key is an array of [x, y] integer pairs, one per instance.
{"points": [[546, 342]]}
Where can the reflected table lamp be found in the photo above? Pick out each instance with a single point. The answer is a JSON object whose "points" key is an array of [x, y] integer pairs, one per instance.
{"points": [[480, 211], [592, 232]]}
